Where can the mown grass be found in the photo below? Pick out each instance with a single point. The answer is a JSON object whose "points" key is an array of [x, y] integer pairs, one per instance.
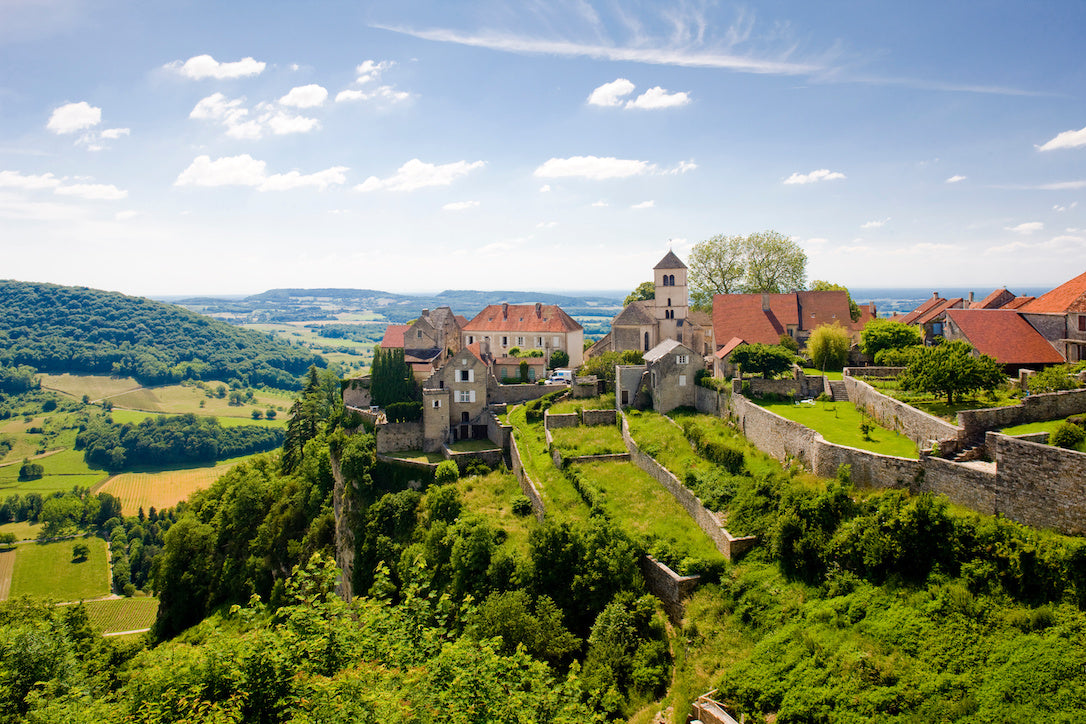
{"points": [[23, 529], [644, 508], [492, 495], [812, 372], [46, 570], [603, 402], [122, 614], [936, 405], [585, 440], [63, 471], [1049, 427], [839, 422], [560, 498]]}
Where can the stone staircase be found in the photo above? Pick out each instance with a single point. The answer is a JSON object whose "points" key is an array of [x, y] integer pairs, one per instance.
{"points": [[838, 391]]}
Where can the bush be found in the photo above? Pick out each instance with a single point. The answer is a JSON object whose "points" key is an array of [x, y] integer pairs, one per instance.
{"points": [[559, 358], [404, 411], [80, 552], [31, 471], [828, 346], [446, 472], [1067, 435], [895, 357], [1052, 379], [522, 506]]}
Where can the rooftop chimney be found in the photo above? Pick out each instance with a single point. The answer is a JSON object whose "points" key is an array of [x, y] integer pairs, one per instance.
{"points": [[425, 313], [935, 295], [970, 297], [505, 310], [538, 309], [765, 302]]}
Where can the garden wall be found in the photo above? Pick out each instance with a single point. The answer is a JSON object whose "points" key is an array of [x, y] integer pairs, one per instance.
{"points": [[1034, 408], [972, 485], [527, 485], [554, 422], [667, 585], [513, 394], [707, 401], [725, 542], [393, 436], [771, 433], [497, 432], [1038, 484], [918, 426], [490, 458], [599, 417]]}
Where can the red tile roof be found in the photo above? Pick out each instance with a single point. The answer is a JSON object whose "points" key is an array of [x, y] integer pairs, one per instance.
{"points": [[826, 307], [912, 316], [742, 315], [528, 318], [996, 300], [394, 336], [1018, 302], [939, 309], [868, 312], [727, 349], [1004, 335], [1067, 298]]}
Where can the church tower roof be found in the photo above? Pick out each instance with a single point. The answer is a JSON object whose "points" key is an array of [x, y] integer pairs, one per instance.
{"points": [[670, 261]]}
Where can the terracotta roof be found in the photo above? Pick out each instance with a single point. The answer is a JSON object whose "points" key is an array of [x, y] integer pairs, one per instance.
{"points": [[912, 316], [670, 261], [868, 312], [1018, 302], [741, 315], [939, 309], [461, 320], [727, 349], [476, 349], [635, 314], [522, 318], [825, 307], [394, 336], [1004, 335], [1067, 298], [996, 300]]}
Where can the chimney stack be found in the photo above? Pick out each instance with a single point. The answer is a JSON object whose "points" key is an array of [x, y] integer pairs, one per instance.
{"points": [[765, 302], [970, 297], [505, 310], [935, 295], [538, 309]]}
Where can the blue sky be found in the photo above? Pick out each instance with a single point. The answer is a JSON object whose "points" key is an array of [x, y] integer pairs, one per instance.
{"points": [[232, 147]]}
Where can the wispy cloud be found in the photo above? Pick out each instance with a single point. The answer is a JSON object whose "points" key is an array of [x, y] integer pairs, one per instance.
{"points": [[1029, 227], [416, 174], [644, 205], [267, 117], [955, 179], [460, 205], [822, 174], [244, 170], [77, 188], [593, 167], [1067, 139], [199, 67], [366, 76], [875, 224]]}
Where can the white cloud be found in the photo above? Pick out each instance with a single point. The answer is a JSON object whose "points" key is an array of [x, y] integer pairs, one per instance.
{"points": [[460, 205], [546, 224], [1067, 139], [955, 179], [199, 67], [383, 93], [244, 170], [416, 174], [592, 167], [655, 98], [370, 70], [600, 204], [126, 215], [875, 224], [816, 240], [1061, 209], [305, 96], [282, 124], [545, 189], [94, 192], [217, 107], [73, 117], [112, 134], [1028, 227], [682, 168], [240, 124], [644, 205], [822, 174], [14, 179], [1008, 248], [611, 94]]}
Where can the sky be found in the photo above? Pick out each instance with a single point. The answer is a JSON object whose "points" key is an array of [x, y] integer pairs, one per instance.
{"points": [[194, 147]]}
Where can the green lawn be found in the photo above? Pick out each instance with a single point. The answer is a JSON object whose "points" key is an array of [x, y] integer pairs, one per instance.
{"points": [[644, 508], [560, 499], [584, 440], [46, 570], [472, 446], [417, 456], [23, 530], [812, 372], [493, 495], [1048, 426], [63, 471], [937, 405], [839, 422], [603, 402]]}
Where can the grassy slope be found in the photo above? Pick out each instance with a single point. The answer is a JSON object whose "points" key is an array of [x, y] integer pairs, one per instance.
{"points": [[122, 614], [582, 440], [492, 495], [840, 423], [46, 570], [559, 497]]}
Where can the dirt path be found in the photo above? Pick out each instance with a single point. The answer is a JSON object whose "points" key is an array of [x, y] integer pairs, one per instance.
{"points": [[7, 567], [124, 633]]}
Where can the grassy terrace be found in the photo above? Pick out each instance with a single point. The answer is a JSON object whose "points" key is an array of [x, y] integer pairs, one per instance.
{"points": [[559, 496], [644, 508], [934, 405], [492, 495], [1049, 427], [584, 440], [46, 570], [840, 423], [604, 402]]}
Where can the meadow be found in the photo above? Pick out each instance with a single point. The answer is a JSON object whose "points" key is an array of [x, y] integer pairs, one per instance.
{"points": [[492, 495], [588, 440], [122, 614], [46, 570], [839, 422]]}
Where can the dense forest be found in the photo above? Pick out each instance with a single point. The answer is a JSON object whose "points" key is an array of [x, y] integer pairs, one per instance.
{"points": [[74, 329]]}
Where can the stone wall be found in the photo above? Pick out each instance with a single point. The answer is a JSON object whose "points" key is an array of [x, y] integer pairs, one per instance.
{"points": [[918, 426], [628, 382], [1034, 408], [394, 436], [708, 401], [365, 413], [515, 394], [877, 372], [969, 484], [667, 585], [730, 546], [771, 433], [356, 392], [1039, 485], [599, 417], [868, 468], [587, 386], [490, 458], [498, 432], [554, 422], [527, 485]]}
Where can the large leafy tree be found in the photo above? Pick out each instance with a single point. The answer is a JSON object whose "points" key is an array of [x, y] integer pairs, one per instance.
{"points": [[880, 334], [828, 346], [768, 360], [644, 290], [766, 261], [952, 369]]}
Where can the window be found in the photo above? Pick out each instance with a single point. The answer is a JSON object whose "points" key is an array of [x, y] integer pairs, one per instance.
{"points": [[505, 341], [556, 342], [646, 341], [520, 341], [437, 404], [682, 359], [1082, 322], [682, 380], [471, 339], [465, 396], [418, 334], [538, 341], [465, 375]]}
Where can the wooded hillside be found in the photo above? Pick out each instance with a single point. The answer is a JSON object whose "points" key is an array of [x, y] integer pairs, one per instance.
{"points": [[74, 329]]}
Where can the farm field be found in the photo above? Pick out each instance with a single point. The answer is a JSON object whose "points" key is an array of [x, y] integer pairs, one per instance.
{"points": [[22, 530], [7, 567], [137, 416], [839, 423], [122, 614], [188, 398], [96, 387], [46, 570], [163, 489], [64, 470]]}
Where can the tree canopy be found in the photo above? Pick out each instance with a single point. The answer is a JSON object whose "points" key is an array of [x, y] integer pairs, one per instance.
{"points": [[951, 369], [765, 261], [644, 290], [880, 334], [828, 346], [768, 360]]}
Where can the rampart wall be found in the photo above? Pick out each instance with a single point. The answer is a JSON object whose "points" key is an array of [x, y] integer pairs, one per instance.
{"points": [[1034, 408], [920, 427], [1039, 485], [527, 485], [667, 585], [394, 436]]}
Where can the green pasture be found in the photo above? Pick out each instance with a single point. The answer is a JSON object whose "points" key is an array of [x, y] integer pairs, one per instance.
{"points": [[46, 570], [192, 398], [63, 471], [644, 508], [839, 423], [23, 530], [492, 495], [585, 440], [560, 498], [96, 387], [137, 416], [603, 402]]}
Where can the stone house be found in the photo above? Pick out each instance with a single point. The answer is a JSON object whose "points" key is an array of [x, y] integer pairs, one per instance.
{"points": [[1002, 334], [455, 398], [666, 378], [428, 341], [644, 324], [1060, 315], [543, 327], [508, 368]]}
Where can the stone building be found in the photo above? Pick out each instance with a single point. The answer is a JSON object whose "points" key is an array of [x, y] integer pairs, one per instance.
{"points": [[644, 324], [428, 341], [1060, 315], [455, 397], [543, 327], [666, 378]]}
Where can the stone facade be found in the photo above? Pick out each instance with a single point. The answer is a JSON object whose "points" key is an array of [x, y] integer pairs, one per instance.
{"points": [[1039, 485], [672, 367], [356, 393], [466, 379], [628, 385], [396, 436]]}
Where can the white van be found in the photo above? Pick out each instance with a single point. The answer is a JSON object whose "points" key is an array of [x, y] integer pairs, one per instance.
{"points": [[560, 377]]}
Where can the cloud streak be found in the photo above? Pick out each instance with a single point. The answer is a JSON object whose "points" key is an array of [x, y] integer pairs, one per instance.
{"points": [[244, 170], [416, 174]]}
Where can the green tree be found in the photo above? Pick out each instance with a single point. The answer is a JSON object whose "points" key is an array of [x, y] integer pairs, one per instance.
{"points": [[820, 285], [764, 359], [80, 551], [391, 378], [644, 290], [603, 365], [880, 334], [1053, 379], [952, 369], [716, 266], [765, 261], [828, 346], [31, 471], [559, 358]]}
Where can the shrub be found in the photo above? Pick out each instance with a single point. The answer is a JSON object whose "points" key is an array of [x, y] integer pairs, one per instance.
{"points": [[1052, 379], [559, 358], [80, 552], [31, 471], [723, 455], [522, 506], [828, 346], [1067, 435], [895, 357], [446, 472], [403, 411]]}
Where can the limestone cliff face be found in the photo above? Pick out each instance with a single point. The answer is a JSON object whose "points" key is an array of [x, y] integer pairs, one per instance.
{"points": [[343, 506]]}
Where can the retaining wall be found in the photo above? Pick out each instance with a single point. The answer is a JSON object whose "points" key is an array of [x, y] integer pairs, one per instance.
{"points": [[1039, 485], [599, 417], [730, 546], [918, 426], [393, 436], [527, 485], [1034, 408], [667, 585], [513, 394], [566, 419]]}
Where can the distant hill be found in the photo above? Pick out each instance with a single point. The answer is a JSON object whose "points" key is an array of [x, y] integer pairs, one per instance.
{"points": [[75, 329]]}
